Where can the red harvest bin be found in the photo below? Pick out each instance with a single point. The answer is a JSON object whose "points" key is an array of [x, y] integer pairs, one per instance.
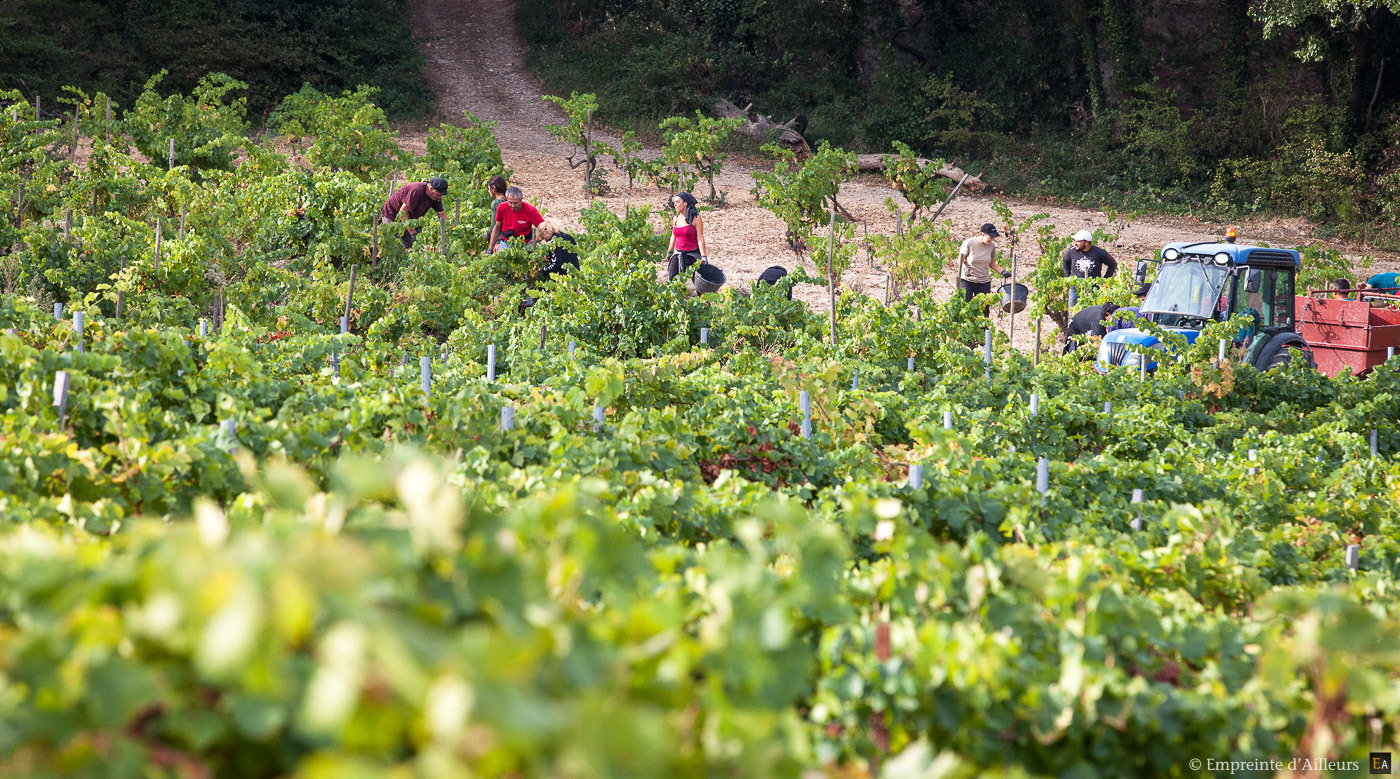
{"points": [[1347, 333]]}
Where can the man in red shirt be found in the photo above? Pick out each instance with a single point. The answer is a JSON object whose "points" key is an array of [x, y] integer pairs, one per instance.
{"points": [[514, 219], [412, 201]]}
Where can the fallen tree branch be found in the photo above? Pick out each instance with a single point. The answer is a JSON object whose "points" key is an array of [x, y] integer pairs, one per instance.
{"points": [[762, 127], [875, 163]]}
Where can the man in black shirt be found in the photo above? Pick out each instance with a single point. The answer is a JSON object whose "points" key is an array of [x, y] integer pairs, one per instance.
{"points": [[1085, 260], [1092, 321]]}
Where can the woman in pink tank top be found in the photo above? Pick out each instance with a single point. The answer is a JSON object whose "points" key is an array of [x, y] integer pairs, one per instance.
{"points": [[687, 244]]}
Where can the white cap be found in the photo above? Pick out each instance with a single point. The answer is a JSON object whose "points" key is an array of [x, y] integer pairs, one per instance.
{"points": [[1083, 235]]}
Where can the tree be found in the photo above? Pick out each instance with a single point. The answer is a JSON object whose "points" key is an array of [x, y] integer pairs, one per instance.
{"points": [[1322, 25], [694, 144], [579, 131]]}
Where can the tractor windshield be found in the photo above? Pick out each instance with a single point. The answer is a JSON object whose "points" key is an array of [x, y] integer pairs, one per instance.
{"points": [[1187, 292]]}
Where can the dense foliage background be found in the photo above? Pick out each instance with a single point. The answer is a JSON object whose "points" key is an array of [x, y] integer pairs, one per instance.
{"points": [[114, 46], [1226, 106]]}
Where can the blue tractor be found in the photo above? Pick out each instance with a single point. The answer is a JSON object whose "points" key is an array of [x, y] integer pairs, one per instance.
{"points": [[1203, 282]]}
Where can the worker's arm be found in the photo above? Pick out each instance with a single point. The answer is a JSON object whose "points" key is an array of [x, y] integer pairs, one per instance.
{"points": [[402, 216], [1111, 263], [1065, 262], [699, 235], [495, 237]]}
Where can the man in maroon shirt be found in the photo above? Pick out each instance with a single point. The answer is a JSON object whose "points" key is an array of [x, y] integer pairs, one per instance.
{"points": [[412, 201]]}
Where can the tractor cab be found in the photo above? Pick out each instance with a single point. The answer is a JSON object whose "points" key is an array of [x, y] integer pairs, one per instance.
{"points": [[1202, 282]]}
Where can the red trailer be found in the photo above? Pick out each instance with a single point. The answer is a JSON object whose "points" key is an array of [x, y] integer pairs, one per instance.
{"points": [[1349, 334]]}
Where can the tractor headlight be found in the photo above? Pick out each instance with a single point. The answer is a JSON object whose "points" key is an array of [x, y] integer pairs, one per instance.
{"points": [[1222, 258], [1170, 254], [1132, 359]]}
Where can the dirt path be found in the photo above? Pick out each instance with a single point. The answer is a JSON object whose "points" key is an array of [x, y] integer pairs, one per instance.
{"points": [[493, 83]]}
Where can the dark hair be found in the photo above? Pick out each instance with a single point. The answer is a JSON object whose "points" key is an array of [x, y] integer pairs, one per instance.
{"points": [[691, 210], [1341, 284], [496, 185], [1109, 308]]}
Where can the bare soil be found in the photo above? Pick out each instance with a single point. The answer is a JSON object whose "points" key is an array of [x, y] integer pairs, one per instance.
{"points": [[476, 63]]}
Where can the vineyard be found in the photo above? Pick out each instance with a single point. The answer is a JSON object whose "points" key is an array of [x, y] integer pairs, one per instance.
{"points": [[280, 498]]}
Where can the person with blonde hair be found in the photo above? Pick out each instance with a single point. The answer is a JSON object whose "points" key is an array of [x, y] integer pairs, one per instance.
{"points": [[561, 253]]}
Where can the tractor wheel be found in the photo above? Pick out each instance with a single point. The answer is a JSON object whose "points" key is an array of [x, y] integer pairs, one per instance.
{"points": [[1288, 354]]}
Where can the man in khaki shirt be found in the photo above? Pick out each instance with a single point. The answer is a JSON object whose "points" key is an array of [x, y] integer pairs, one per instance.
{"points": [[976, 260]]}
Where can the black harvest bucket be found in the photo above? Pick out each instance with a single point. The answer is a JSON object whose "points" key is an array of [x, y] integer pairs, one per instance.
{"points": [[1013, 297], [708, 278]]}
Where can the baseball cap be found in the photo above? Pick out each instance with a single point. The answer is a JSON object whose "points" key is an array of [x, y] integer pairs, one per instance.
{"points": [[990, 229], [438, 183], [1083, 235]]}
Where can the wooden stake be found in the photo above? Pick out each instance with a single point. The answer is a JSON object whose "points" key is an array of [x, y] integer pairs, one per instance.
{"points": [[157, 244], [172, 154], [68, 226], [107, 131], [182, 221], [350, 294], [830, 271], [121, 275]]}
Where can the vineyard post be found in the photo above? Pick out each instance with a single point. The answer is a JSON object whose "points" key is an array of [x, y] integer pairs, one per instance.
{"points": [[182, 221], [865, 238], [491, 362], [947, 420], [987, 351], [68, 227], [544, 331], [1375, 443], [1222, 350], [1108, 408], [172, 154], [916, 477], [909, 366], [830, 271], [58, 311], [230, 431], [425, 380], [1136, 524], [60, 396], [1011, 327], [1042, 478], [120, 292], [1353, 556], [855, 380], [344, 325], [1035, 404], [572, 345], [1142, 368], [804, 401], [598, 414], [349, 295], [157, 245], [78, 328], [374, 240], [507, 417], [704, 336], [203, 327], [1253, 455]]}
